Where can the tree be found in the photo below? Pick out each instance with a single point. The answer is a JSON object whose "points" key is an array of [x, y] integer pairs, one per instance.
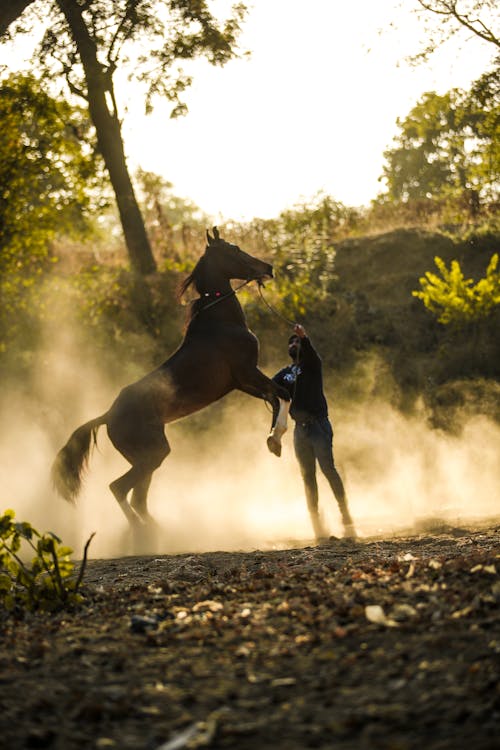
{"points": [[448, 148], [444, 19], [301, 244], [175, 225], [87, 42], [49, 179], [10, 10], [49, 172]]}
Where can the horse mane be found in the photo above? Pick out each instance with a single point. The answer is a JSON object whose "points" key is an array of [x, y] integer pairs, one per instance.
{"points": [[196, 274], [193, 279]]}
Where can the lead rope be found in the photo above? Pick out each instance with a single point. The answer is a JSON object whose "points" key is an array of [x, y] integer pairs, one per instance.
{"points": [[260, 286], [273, 309], [270, 307], [291, 323]]}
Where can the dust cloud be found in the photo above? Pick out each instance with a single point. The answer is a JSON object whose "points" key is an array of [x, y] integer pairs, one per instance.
{"points": [[221, 489]]}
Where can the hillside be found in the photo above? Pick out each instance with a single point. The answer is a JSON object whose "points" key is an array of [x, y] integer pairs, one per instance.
{"points": [[373, 312]]}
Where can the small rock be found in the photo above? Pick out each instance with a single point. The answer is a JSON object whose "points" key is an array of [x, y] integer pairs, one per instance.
{"points": [[143, 623]]}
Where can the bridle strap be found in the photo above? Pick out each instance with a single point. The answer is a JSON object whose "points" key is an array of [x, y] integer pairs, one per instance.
{"points": [[225, 296]]}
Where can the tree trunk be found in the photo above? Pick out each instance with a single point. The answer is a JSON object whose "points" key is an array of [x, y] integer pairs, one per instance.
{"points": [[109, 138], [10, 10]]}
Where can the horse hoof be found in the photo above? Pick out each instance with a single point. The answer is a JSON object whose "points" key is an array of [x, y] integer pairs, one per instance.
{"points": [[274, 445], [350, 532]]}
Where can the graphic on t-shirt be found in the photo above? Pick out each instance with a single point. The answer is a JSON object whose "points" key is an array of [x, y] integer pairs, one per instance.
{"points": [[292, 375]]}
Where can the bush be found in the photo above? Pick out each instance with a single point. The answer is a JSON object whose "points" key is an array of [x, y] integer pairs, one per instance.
{"points": [[456, 300], [47, 583]]}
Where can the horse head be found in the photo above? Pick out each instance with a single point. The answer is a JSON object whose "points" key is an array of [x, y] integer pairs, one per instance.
{"points": [[233, 262]]}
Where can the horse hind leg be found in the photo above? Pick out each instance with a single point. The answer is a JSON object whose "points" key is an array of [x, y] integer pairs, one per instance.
{"points": [[138, 479], [139, 499], [122, 486]]}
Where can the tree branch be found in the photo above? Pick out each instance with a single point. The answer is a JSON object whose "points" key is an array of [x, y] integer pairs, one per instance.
{"points": [[450, 10], [10, 11]]}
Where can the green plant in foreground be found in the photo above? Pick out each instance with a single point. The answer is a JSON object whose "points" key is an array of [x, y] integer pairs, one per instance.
{"points": [[457, 300], [47, 583]]}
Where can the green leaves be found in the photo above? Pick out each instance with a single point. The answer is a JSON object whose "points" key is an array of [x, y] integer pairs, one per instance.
{"points": [[457, 300], [444, 20], [48, 172], [302, 243], [48, 180], [447, 149], [47, 583]]}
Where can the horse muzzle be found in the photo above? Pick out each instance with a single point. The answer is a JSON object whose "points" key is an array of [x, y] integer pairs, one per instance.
{"points": [[267, 274]]}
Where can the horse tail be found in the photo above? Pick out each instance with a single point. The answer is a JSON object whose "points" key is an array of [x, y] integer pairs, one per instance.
{"points": [[71, 461]]}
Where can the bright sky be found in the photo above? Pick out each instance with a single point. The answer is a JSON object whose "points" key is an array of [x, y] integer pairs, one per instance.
{"points": [[311, 110]]}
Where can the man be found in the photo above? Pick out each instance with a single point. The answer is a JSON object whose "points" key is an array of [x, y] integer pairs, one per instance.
{"points": [[313, 434]]}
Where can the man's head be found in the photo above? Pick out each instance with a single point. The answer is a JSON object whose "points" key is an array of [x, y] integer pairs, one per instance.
{"points": [[294, 347]]}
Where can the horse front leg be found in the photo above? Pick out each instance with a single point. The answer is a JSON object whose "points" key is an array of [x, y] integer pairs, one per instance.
{"points": [[259, 385], [278, 425]]}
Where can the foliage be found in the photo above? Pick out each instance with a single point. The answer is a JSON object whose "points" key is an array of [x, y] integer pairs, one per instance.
{"points": [[110, 305], [301, 245], [48, 172], [447, 150], [456, 300], [172, 32], [49, 176], [175, 225], [85, 44], [444, 20], [47, 582], [10, 10]]}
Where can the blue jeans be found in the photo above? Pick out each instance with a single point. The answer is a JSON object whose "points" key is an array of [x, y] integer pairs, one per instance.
{"points": [[313, 441]]}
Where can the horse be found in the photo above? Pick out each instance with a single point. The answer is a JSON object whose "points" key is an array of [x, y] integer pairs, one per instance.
{"points": [[218, 354]]}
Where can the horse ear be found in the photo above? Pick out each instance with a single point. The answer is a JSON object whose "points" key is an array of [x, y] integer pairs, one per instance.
{"points": [[209, 239], [216, 233]]}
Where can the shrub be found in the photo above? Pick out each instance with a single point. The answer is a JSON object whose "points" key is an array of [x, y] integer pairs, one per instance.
{"points": [[47, 583], [457, 300]]}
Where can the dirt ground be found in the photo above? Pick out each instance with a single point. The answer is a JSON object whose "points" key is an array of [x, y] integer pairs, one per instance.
{"points": [[391, 644]]}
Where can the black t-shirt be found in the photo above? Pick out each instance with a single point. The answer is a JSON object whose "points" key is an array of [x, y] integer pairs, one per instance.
{"points": [[304, 383]]}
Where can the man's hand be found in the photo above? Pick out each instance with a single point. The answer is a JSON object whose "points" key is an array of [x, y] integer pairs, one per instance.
{"points": [[299, 330]]}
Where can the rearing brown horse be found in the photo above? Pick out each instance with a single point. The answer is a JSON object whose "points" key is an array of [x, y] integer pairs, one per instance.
{"points": [[218, 354]]}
